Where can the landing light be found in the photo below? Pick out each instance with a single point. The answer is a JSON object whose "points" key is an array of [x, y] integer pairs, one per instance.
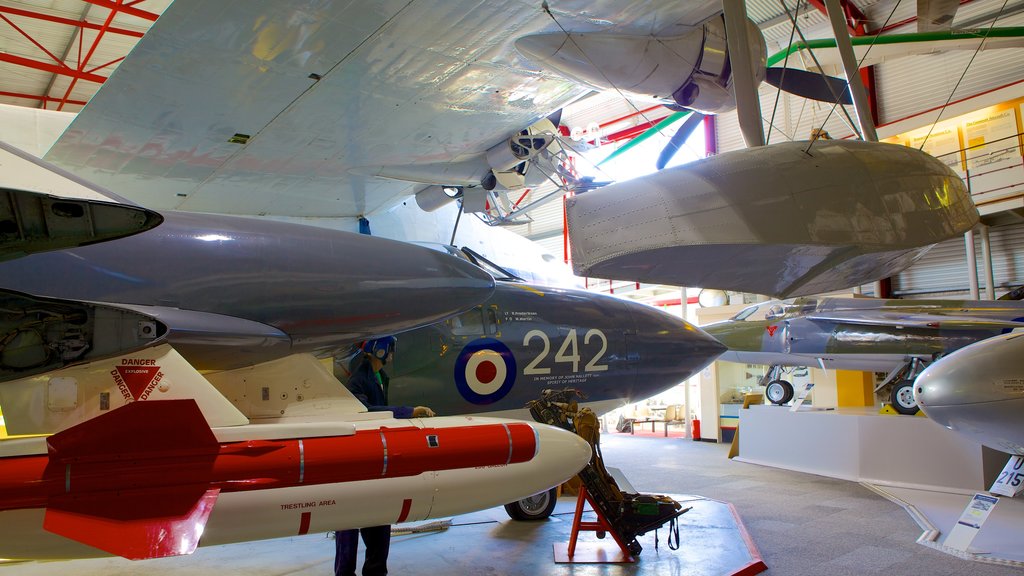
{"points": [[214, 238]]}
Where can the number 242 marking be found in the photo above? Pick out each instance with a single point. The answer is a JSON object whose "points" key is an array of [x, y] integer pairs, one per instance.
{"points": [[568, 352]]}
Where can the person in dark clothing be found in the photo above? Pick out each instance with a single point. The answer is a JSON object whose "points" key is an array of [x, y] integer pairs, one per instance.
{"points": [[369, 383]]}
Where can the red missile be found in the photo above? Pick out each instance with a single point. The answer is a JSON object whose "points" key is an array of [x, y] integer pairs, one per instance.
{"points": [[142, 480]]}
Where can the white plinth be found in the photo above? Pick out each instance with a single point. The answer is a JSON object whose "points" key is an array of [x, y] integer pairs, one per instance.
{"points": [[861, 445]]}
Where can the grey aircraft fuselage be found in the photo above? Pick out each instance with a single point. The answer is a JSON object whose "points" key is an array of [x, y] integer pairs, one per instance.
{"points": [[526, 338], [867, 334], [229, 291]]}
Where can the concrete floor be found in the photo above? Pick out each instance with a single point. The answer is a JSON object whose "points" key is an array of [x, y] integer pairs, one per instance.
{"points": [[801, 524]]}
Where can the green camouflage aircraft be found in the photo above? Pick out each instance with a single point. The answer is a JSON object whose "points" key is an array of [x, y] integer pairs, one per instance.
{"points": [[899, 337]]}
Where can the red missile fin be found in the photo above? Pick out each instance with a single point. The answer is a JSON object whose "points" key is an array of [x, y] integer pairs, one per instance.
{"points": [[146, 429], [136, 525]]}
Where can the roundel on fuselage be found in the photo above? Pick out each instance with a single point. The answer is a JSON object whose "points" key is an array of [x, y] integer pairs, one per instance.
{"points": [[485, 371]]}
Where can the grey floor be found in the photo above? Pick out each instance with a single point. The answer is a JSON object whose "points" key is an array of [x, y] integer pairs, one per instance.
{"points": [[801, 524]]}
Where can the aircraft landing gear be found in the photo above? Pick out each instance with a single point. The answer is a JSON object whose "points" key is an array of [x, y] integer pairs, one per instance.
{"points": [[536, 507], [901, 380], [779, 392], [902, 398]]}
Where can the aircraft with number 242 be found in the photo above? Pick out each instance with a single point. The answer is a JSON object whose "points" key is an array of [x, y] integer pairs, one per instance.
{"points": [[900, 337]]}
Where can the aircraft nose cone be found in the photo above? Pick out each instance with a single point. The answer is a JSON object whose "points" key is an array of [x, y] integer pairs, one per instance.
{"points": [[558, 455], [977, 391], [561, 453], [974, 374], [669, 350], [736, 336]]}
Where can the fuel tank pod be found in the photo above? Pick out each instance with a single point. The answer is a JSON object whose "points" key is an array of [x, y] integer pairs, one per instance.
{"points": [[978, 392]]}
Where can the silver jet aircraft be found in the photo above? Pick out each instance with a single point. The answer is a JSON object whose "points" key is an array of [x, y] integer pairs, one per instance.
{"points": [[877, 335]]}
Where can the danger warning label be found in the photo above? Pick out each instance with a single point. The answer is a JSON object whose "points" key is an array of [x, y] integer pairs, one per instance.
{"points": [[136, 378]]}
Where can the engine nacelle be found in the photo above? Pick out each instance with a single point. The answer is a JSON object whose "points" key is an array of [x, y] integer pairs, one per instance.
{"points": [[691, 70], [433, 197], [517, 149]]}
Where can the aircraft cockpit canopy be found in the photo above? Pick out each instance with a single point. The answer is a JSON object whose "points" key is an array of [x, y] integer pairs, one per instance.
{"points": [[474, 257], [776, 309]]}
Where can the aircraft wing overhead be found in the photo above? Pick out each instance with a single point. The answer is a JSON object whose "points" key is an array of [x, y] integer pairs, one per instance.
{"points": [[263, 108], [937, 321]]}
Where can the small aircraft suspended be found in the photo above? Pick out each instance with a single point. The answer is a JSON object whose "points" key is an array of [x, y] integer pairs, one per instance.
{"points": [[775, 213], [899, 337]]}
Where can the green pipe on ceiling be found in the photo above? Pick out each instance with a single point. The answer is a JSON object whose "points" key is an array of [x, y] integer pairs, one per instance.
{"points": [[1007, 32]]}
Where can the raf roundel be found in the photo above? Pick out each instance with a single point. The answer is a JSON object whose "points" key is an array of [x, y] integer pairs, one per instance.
{"points": [[485, 371]]}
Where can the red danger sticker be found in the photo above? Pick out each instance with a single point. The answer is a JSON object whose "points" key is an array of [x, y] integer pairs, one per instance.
{"points": [[771, 328], [136, 378]]}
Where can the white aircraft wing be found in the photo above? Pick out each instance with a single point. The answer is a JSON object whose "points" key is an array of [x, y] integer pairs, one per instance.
{"points": [[264, 108]]}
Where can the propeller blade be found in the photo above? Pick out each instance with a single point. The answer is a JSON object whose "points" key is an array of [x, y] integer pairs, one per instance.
{"points": [[677, 140], [811, 85]]}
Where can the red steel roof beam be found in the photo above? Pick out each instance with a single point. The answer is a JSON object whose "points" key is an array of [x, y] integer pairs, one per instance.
{"points": [[61, 69], [82, 62], [38, 98], [68, 21], [125, 9]]}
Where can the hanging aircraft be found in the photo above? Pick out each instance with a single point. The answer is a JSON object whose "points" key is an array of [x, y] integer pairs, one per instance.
{"points": [[899, 337], [978, 392], [357, 109], [793, 218]]}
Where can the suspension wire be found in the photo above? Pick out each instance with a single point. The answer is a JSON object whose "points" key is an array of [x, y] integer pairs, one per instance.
{"points": [[792, 19], [547, 10], [785, 63], [966, 68], [866, 52]]}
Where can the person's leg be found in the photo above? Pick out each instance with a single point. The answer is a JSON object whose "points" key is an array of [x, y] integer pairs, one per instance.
{"points": [[346, 544], [378, 541]]}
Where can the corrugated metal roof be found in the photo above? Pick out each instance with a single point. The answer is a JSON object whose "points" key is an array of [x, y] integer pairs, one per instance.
{"points": [[55, 53]]}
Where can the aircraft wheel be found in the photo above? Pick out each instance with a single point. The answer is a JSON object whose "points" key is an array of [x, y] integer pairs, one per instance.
{"points": [[779, 392], [536, 507], [902, 398]]}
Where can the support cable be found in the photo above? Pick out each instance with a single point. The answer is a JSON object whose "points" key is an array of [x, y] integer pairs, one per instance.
{"points": [[966, 68]]}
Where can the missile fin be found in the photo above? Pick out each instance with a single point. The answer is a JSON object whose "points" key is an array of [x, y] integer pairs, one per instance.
{"points": [[146, 429], [136, 525]]}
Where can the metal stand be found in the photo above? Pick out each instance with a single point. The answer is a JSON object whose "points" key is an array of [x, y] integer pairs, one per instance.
{"points": [[595, 552]]}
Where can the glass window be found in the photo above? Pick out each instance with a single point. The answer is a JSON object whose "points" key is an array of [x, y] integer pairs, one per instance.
{"points": [[468, 323]]}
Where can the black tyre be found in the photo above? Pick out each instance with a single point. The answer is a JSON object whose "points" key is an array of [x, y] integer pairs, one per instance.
{"points": [[536, 507], [902, 398], [779, 392]]}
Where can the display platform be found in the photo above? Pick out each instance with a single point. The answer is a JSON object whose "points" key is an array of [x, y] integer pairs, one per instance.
{"points": [[714, 543], [1000, 540], [863, 446], [914, 462]]}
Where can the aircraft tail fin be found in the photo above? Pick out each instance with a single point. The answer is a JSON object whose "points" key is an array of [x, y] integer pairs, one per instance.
{"points": [[136, 523], [59, 400]]}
